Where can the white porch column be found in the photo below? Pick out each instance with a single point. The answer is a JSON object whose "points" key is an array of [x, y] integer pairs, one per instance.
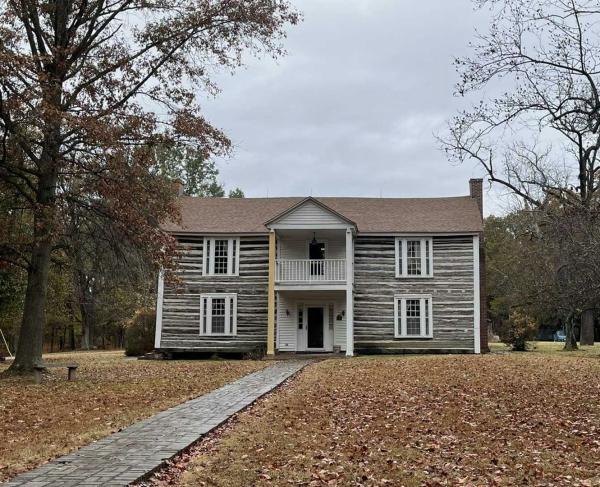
{"points": [[271, 296], [349, 293], [159, 309]]}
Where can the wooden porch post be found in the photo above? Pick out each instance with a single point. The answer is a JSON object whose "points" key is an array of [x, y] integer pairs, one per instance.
{"points": [[271, 296], [349, 294]]}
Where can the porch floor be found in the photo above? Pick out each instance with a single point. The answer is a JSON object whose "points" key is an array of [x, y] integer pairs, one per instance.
{"points": [[305, 355]]}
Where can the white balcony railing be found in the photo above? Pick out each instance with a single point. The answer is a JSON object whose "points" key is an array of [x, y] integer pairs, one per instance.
{"points": [[309, 270]]}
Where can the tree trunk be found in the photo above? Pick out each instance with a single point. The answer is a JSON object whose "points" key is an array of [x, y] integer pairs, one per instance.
{"points": [[72, 336], [86, 308], [586, 336], [86, 336], [31, 336], [570, 340]]}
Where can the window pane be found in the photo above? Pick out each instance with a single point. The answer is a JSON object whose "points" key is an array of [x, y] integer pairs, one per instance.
{"points": [[413, 316], [231, 314], [427, 263], [221, 250], [218, 315], [204, 314], [426, 304], [400, 270], [233, 256], [413, 258], [207, 250]]}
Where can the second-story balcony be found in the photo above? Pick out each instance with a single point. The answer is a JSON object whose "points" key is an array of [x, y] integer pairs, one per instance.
{"points": [[310, 270]]}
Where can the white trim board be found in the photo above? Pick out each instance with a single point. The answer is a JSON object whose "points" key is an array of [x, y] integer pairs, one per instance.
{"points": [[159, 309], [476, 297], [316, 226]]}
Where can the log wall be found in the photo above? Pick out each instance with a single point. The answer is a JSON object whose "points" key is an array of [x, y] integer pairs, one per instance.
{"points": [[181, 304], [451, 288]]}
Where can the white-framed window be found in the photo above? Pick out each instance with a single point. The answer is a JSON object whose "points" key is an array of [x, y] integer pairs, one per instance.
{"points": [[218, 314], [413, 316], [221, 256], [414, 257]]}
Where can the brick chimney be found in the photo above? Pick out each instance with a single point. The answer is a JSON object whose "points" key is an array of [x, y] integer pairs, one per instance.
{"points": [[476, 192]]}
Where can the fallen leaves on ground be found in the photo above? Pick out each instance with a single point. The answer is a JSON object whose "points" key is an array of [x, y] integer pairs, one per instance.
{"points": [[40, 422], [500, 420]]}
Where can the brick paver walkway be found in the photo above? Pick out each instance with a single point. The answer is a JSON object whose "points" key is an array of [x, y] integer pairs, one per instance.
{"points": [[133, 452]]}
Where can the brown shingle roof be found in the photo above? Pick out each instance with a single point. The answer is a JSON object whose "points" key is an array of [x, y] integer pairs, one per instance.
{"points": [[372, 215]]}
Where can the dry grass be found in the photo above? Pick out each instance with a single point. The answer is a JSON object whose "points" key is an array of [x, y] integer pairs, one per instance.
{"points": [[510, 419], [554, 348], [39, 422]]}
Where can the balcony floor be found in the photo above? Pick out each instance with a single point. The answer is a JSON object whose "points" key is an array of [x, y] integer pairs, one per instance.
{"points": [[310, 286]]}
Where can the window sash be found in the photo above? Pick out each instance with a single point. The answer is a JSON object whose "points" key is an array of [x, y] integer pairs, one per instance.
{"points": [[207, 311], [425, 316], [220, 255], [425, 256], [233, 256]]}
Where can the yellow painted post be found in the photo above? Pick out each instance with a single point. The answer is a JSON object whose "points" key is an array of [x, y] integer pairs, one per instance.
{"points": [[271, 297]]}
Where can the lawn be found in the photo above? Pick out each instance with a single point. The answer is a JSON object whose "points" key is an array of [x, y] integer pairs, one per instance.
{"points": [[552, 348], [499, 419], [39, 422]]}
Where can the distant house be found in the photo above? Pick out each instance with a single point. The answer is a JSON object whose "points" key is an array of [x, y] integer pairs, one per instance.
{"points": [[358, 275]]}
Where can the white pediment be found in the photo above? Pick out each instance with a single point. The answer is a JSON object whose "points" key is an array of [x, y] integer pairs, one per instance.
{"points": [[310, 214]]}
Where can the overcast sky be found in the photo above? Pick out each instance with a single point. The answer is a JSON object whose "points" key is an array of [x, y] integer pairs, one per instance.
{"points": [[352, 109]]}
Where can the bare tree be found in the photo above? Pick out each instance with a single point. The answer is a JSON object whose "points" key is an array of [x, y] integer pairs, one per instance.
{"points": [[538, 134], [88, 90]]}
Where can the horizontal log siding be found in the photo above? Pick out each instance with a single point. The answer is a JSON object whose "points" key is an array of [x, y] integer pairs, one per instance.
{"points": [[451, 288], [181, 304]]}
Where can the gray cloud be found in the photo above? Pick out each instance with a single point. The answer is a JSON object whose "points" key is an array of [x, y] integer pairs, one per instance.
{"points": [[352, 109]]}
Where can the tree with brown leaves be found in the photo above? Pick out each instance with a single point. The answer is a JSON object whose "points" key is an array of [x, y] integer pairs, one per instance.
{"points": [[88, 90]]}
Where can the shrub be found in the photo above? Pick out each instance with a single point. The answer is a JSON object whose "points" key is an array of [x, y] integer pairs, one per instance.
{"points": [[139, 335], [518, 330]]}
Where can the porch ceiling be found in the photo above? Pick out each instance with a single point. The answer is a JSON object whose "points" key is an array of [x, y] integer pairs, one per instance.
{"points": [[314, 294]]}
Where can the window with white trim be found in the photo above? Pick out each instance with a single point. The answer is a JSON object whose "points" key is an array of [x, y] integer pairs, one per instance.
{"points": [[221, 256], [413, 316], [414, 257], [218, 314]]}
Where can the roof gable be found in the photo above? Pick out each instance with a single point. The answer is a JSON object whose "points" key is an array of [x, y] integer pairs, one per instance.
{"points": [[307, 213]]}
